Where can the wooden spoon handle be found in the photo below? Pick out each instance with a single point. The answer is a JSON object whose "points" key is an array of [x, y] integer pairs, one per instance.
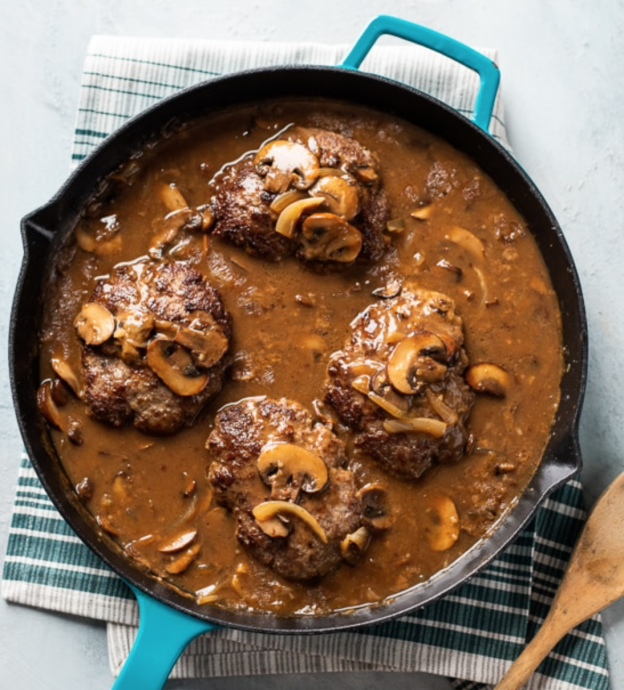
{"points": [[533, 654]]}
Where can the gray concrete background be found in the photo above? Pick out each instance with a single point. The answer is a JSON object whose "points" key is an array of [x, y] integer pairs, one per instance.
{"points": [[563, 89]]}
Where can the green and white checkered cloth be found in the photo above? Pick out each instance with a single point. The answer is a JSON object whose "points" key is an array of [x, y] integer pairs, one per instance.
{"points": [[473, 634]]}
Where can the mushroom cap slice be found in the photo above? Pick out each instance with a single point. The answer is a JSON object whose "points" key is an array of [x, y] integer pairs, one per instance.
{"points": [[420, 425], [376, 513], [174, 366], [328, 237], [290, 468], [47, 406], [488, 378], [281, 201], [88, 243], [207, 346], [285, 164], [341, 196], [442, 525], [268, 510], [94, 324], [354, 545], [467, 240], [415, 360], [290, 216], [66, 372], [172, 197], [170, 226], [178, 542]]}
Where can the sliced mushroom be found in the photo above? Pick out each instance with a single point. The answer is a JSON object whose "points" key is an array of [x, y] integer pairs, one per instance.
{"points": [[354, 545], [467, 240], [416, 360], [442, 522], [376, 513], [391, 289], [290, 216], [451, 345], [170, 226], [184, 560], [288, 469], [328, 237], [386, 398], [314, 344], [394, 403], [271, 509], [107, 523], [396, 225], [207, 346], [447, 414], [179, 542], [59, 392], [488, 378], [88, 243], [286, 199], [387, 405], [324, 413], [95, 324], [66, 372], [47, 406], [172, 197], [174, 366], [422, 212], [365, 173], [364, 367], [74, 430], [207, 217], [341, 196], [454, 270], [285, 164], [134, 326], [420, 425], [276, 527]]}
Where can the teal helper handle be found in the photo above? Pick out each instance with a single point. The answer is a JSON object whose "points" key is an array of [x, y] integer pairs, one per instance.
{"points": [[485, 68], [163, 634]]}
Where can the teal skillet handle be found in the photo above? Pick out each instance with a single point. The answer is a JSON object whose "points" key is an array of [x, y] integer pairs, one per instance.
{"points": [[485, 68], [163, 634]]}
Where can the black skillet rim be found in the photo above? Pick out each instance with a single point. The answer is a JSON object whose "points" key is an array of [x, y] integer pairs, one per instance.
{"points": [[561, 460]]}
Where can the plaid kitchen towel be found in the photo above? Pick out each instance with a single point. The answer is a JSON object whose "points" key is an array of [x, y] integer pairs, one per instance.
{"points": [[473, 634]]}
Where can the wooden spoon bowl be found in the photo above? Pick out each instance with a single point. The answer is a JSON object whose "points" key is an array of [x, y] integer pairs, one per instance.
{"points": [[593, 580]]}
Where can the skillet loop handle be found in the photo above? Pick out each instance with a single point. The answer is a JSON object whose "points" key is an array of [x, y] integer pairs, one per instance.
{"points": [[488, 72], [163, 634]]}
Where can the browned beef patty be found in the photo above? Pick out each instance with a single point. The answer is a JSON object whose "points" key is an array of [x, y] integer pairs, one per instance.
{"points": [[378, 391], [245, 192], [151, 301], [242, 432]]}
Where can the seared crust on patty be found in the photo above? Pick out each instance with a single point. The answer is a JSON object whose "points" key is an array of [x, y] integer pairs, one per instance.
{"points": [[241, 433], [363, 392]]}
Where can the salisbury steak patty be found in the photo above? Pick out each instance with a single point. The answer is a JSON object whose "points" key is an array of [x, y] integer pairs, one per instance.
{"points": [[312, 193], [398, 382], [155, 337], [268, 454]]}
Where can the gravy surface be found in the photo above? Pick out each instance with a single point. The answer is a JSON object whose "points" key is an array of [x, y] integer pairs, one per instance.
{"points": [[287, 319]]}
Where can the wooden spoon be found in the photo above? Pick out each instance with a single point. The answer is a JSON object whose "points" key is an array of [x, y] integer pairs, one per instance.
{"points": [[593, 580]]}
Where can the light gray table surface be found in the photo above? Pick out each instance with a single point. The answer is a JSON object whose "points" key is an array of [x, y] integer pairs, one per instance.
{"points": [[562, 68]]}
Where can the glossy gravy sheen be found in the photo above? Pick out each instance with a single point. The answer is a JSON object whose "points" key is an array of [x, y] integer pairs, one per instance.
{"points": [[287, 319]]}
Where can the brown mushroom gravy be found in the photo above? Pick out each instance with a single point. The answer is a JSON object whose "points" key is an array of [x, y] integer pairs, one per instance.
{"points": [[299, 356]]}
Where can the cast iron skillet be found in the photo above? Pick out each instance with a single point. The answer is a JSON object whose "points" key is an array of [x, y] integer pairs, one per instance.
{"points": [[168, 619]]}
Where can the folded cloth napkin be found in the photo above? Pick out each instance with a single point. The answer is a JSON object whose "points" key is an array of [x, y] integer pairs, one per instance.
{"points": [[473, 634]]}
